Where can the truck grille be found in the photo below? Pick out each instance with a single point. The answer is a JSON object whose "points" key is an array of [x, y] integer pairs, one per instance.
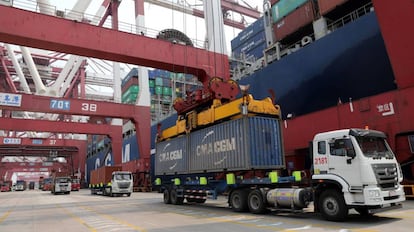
{"points": [[123, 185], [387, 175]]}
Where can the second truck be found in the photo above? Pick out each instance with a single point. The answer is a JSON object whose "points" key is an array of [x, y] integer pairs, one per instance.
{"points": [[242, 158], [111, 181]]}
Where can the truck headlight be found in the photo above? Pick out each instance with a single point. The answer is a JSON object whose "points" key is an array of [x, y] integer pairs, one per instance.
{"points": [[373, 193]]}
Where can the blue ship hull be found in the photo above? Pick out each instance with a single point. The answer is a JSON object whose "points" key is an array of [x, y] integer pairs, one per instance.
{"points": [[351, 62]]}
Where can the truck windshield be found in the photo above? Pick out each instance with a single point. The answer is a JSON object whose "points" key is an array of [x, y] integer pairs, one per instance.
{"points": [[374, 147], [123, 176]]}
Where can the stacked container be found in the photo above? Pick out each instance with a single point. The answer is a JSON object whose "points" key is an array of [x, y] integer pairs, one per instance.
{"points": [[325, 6], [291, 15], [250, 42], [130, 87]]}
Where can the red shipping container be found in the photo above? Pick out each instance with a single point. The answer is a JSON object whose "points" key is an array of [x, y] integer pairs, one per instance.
{"points": [[103, 174], [327, 5], [129, 83], [295, 20]]}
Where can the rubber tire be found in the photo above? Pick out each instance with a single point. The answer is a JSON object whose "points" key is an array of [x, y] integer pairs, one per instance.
{"points": [[128, 194], [238, 200], [332, 206], [175, 200], [256, 202], [167, 199]]}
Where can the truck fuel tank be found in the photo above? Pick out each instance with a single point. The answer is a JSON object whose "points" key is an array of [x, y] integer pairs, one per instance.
{"points": [[291, 198]]}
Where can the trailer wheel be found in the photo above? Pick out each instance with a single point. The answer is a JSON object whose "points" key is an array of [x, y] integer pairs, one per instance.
{"points": [[167, 199], [238, 200], [332, 206], [175, 200], [256, 202]]}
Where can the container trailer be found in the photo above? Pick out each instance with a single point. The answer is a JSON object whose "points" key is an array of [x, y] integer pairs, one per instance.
{"points": [[111, 181], [243, 159]]}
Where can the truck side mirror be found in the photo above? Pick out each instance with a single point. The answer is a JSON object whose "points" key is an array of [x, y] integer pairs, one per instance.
{"points": [[350, 153]]}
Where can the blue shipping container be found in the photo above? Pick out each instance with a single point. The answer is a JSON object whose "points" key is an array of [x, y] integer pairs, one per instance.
{"points": [[247, 33], [171, 156], [132, 73], [242, 144], [250, 44]]}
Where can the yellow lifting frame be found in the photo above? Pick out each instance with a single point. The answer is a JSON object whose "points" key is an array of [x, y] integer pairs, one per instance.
{"points": [[219, 111]]}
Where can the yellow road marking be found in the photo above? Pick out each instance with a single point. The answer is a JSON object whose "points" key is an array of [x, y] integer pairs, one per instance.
{"points": [[115, 219], [78, 219], [2, 218]]}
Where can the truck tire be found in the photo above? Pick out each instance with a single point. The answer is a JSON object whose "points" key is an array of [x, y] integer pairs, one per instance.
{"points": [[175, 200], [238, 200], [332, 206], [167, 199], [256, 202]]}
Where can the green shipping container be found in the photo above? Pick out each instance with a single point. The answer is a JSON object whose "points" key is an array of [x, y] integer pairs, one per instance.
{"points": [[166, 91], [158, 81], [133, 89], [284, 7], [151, 83], [158, 90]]}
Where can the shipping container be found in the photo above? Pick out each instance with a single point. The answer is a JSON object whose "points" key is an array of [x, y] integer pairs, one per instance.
{"points": [[284, 7], [159, 81], [247, 33], [158, 90], [103, 174], [258, 39], [171, 156], [151, 83], [132, 73], [167, 91], [132, 82], [301, 17], [325, 6], [242, 144]]}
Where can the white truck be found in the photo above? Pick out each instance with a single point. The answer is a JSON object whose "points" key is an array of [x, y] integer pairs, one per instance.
{"points": [[111, 181], [352, 169], [61, 184]]}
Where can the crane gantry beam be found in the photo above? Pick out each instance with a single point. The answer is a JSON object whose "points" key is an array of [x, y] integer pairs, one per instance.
{"points": [[70, 36]]}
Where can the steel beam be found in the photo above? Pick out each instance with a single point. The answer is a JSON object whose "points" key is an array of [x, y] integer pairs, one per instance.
{"points": [[236, 7], [52, 33], [114, 132]]}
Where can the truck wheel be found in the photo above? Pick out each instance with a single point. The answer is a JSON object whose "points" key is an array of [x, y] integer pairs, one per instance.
{"points": [[332, 206], [238, 200], [175, 200], [256, 202], [167, 199]]}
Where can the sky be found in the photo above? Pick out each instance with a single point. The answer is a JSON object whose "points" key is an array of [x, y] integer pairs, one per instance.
{"points": [[159, 18]]}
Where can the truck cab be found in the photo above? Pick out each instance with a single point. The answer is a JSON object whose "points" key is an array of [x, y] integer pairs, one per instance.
{"points": [[121, 183], [61, 185], [355, 168]]}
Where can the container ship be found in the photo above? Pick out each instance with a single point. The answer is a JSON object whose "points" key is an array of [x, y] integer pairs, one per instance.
{"points": [[330, 64]]}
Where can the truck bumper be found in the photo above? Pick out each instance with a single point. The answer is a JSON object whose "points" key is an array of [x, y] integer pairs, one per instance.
{"points": [[385, 208], [374, 196]]}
